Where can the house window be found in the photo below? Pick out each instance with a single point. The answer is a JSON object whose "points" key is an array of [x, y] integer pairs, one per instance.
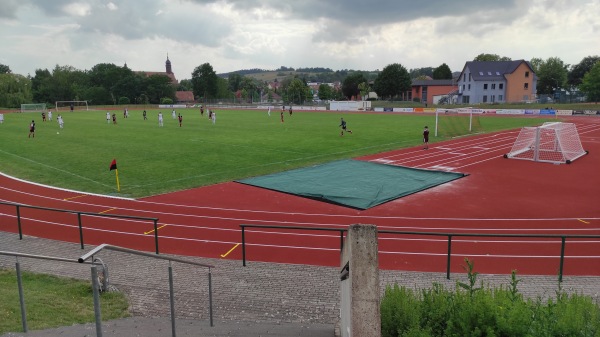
{"points": [[464, 87], [464, 77], [493, 98], [465, 99], [481, 73], [493, 86], [526, 86], [526, 74], [484, 98], [498, 73], [485, 86], [469, 77], [500, 98], [500, 86], [469, 87], [489, 73]]}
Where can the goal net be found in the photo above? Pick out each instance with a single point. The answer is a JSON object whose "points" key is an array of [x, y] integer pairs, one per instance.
{"points": [[33, 107], [454, 123], [71, 105], [553, 142]]}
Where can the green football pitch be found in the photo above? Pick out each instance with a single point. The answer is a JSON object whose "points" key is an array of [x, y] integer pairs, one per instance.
{"points": [[240, 144]]}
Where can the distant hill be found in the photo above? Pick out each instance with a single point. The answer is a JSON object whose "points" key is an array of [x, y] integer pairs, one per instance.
{"points": [[323, 75]]}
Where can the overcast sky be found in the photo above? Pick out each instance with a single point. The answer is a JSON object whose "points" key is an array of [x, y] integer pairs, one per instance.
{"points": [[337, 34]]}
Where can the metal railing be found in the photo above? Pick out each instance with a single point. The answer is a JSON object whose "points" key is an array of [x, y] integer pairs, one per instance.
{"points": [[20, 279], [79, 221], [95, 251], [449, 237]]}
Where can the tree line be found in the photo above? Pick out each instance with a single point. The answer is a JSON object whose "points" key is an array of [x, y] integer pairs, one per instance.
{"points": [[109, 84]]}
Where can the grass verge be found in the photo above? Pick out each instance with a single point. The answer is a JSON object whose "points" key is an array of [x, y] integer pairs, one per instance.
{"points": [[53, 302]]}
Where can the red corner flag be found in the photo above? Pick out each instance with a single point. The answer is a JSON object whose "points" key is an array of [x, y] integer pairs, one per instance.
{"points": [[113, 165]]}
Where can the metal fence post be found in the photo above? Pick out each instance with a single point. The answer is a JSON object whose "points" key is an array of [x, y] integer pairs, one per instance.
{"points": [[19, 223], [448, 257], [562, 257], [172, 300], [97, 314], [210, 299], [243, 245], [80, 229], [156, 234], [21, 296]]}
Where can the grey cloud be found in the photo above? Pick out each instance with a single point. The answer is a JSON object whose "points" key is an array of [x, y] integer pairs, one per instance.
{"points": [[345, 19]]}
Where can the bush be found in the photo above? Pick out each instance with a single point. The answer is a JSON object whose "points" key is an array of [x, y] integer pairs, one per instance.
{"points": [[124, 100], [166, 100], [483, 311]]}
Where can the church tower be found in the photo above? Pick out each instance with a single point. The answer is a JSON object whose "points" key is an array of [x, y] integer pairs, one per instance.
{"points": [[168, 65]]}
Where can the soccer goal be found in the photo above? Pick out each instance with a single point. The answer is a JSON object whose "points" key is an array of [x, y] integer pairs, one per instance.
{"points": [[71, 105], [33, 107], [454, 123], [552, 142]]}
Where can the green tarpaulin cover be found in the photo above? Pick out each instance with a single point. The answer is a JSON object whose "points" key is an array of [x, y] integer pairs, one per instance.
{"points": [[353, 183]]}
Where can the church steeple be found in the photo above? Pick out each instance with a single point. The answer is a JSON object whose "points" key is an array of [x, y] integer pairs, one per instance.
{"points": [[168, 65]]}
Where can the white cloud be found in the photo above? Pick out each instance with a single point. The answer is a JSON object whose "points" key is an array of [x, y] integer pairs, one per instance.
{"points": [[111, 6], [78, 9]]}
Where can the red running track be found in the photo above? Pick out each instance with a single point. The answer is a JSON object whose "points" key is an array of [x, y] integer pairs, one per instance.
{"points": [[499, 196]]}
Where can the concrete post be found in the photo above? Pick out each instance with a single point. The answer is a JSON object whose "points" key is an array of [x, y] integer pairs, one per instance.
{"points": [[359, 277]]}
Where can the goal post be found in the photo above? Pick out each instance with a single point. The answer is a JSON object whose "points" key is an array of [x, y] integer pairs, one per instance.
{"points": [[71, 105], [552, 142], [33, 107], [456, 122]]}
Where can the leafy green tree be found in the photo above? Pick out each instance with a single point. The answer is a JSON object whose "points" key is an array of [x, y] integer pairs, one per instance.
{"points": [[297, 91], [491, 57], [14, 90], [591, 83], [40, 85], [364, 89], [421, 72], [535, 63], [325, 92], [392, 81], [4, 69], [223, 88], [442, 72], [158, 87], [98, 96], [204, 81], [185, 85], [578, 71], [350, 85], [235, 82], [552, 75]]}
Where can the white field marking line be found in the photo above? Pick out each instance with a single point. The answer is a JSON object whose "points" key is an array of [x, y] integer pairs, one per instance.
{"points": [[350, 216], [443, 168], [62, 189], [484, 160], [493, 255], [444, 157], [458, 153], [463, 143], [449, 161], [56, 169]]}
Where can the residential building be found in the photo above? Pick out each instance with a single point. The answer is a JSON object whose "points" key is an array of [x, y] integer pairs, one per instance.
{"points": [[496, 82], [433, 92]]}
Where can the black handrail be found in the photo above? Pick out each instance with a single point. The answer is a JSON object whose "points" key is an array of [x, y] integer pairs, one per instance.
{"points": [[563, 239], [79, 213]]}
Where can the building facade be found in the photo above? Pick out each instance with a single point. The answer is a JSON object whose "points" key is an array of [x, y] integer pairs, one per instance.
{"points": [[496, 82]]}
